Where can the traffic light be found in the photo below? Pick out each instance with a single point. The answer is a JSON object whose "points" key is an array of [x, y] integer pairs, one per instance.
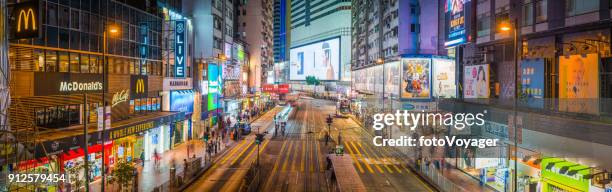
{"points": [[329, 120], [259, 138]]}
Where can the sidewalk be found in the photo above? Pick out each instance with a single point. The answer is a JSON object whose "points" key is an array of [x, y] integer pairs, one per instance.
{"points": [[150, 177]]}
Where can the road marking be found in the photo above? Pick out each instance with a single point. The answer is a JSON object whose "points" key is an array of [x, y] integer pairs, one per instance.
{"points": [[303, 158], [278, 159], [253, 150], [288, 153], [242, 152], [365, 152], [361, 156], [353, 157], [295, 153], [234, 150]]}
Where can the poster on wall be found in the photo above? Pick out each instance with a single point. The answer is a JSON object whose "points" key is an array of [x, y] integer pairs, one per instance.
{"points": [[378, 79], [416, 78], [476, 81], [320, 59], [181, 100], [579, 83], [392, 78], [532, 82], [444, 81], [455, 12]]}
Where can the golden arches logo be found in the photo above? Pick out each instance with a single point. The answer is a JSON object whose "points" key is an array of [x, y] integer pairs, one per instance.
{"points": [[25, 16], [140, 86]]}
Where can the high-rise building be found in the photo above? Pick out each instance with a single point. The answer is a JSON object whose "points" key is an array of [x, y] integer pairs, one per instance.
{"points": [[255, 28], [281, 34], [320, 40], [382, 31]]}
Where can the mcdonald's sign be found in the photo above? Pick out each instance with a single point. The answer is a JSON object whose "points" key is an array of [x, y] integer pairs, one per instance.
{"points": [[26, 20], [139, 87]]}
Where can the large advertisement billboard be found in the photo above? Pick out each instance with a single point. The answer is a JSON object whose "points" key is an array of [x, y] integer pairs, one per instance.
{"points": [[320, 59], [214, 86], [579, 83], [455, 13], [532, 81], [476, 81], [444, 80], [416, 78], [181, 100], [392, 78]]}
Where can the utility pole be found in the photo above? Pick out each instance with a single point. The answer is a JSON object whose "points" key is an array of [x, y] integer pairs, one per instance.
{"points": [[86, 142]]}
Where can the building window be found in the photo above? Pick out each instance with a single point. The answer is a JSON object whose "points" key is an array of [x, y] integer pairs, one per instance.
{"points": [[63, 62], [578, 7], [527, 17], [64, 16], [541, 11], [74, 19], [51, 61], [84, 63], [51, 14], [484, 24], [58, 116], [74, 63]]}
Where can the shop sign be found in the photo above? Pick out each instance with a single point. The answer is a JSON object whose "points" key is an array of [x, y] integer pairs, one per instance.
{"points": [[182, 101], [139, 86], [130, 130], [456, 23], [66, 83], [177, 84], [419, 106], [496, 130], [179, 49], [119, 97], [575, 181], [26, 20]]}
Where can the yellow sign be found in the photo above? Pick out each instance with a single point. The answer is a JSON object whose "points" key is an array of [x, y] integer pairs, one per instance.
{"points": [[140, 86], [24, 17], [120, 97], [122, 132]]}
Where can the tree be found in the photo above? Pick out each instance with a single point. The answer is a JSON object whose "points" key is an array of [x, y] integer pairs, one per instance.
{"points": [[123, 173], [312, 80], [77, 175]]}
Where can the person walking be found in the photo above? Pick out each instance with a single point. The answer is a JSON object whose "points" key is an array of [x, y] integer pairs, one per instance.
{"points": [[142, 158]]}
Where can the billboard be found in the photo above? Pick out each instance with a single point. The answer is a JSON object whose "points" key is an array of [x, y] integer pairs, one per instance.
{"points": [[214, 86], [181, 100], [532, 81], [179, 49], [579, 83], [455, 12], [416, 78], [26, 20], [444, 80], [476, 81], [320, 59], [392, 78]]}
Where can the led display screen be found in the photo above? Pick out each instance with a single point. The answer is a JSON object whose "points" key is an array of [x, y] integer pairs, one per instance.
{"points": [[320, 59]]}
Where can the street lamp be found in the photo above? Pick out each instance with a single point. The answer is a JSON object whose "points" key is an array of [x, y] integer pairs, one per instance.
{"points": [[506, 27], [112, 29]]}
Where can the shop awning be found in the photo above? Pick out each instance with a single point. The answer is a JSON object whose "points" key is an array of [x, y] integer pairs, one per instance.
{"points": [[65, 140]]}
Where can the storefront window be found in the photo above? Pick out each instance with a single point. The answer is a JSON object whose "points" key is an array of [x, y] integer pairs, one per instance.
{"points": [[58, 116], [74, 63], [39, 60], [132, 70], [93, 64], [51, 61], [85, 63], [63, 62]]}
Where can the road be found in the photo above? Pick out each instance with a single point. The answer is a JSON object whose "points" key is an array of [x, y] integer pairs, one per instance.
{"points": [[296, 161]]}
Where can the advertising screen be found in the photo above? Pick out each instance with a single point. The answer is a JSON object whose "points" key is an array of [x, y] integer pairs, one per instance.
{"points": [[214, 86], [455, 12], [532, 81], [578, 83], [378, 78], [392, 78], [181, 101], [416, 78], [476, 81], [444, 80], [320, 59]]}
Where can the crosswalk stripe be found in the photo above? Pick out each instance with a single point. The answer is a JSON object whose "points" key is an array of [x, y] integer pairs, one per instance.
{"points": [[365, 151], [234, 150], [284, 168], [353, 156], [361, 156], [279, 159], [242, 152]]}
